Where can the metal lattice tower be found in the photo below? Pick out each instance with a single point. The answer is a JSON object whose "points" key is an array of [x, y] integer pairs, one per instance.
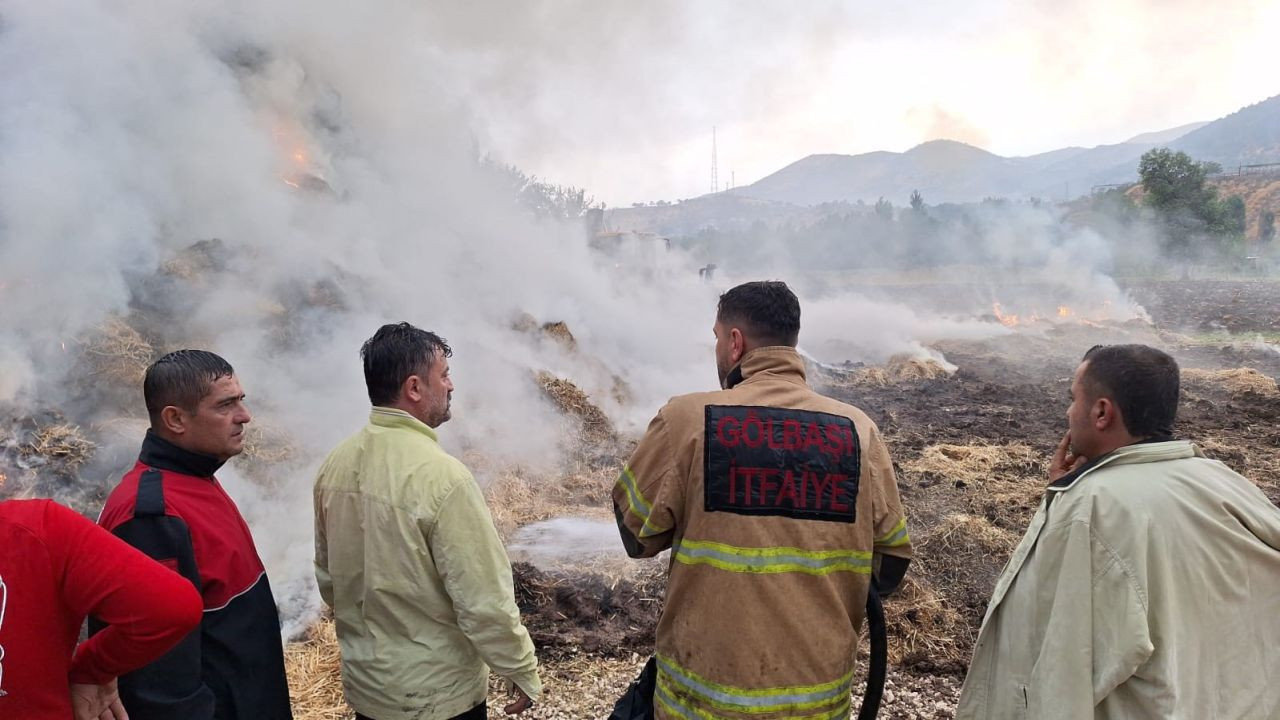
{"points": [[715, 179]]}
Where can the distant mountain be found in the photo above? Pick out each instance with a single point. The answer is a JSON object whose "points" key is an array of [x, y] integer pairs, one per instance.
{"points": [[1165, 136], [948, 171], [1246, 137]]}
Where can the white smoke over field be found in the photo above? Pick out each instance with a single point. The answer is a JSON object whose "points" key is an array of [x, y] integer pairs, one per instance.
{"points": [[273, 182]]}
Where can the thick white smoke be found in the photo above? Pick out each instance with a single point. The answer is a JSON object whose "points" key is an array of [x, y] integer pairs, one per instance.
{"points": [[330, 151]]}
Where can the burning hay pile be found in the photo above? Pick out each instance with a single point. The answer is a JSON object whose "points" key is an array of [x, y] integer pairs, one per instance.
{"points": [[598, 436], [899, 368]]}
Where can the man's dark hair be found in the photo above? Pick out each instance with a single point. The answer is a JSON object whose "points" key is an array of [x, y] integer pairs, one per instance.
{"points": [[766, 310], [394, 353], [182, 378], [1141, 380]]}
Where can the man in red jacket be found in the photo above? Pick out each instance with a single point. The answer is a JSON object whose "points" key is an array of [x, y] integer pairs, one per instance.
{"points": [[55, 568], [171, 507]]}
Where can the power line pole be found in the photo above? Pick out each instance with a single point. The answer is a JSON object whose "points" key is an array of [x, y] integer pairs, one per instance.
{"points": [[715, 179]]}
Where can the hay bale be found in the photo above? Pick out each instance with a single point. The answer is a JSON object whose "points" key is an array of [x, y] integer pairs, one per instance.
{"points": [[559, 332], [315, 678], [1237, 381], [118, 353]]}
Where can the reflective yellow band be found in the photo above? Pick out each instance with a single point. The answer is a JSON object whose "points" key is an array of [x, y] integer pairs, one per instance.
{"points": [[640, 507], [674, 684], [772, 559], [895, 537]]}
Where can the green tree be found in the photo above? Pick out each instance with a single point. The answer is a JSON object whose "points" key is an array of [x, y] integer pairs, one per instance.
{"points": [[1176, 188], [1267, 227]]}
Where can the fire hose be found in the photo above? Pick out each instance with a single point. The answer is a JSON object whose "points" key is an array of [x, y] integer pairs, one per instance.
{"points": [[878, 666]]}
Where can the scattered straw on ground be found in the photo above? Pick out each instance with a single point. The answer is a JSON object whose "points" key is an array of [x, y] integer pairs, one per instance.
{"points": [[65, 444], [118, 353], [315, 682], [974, 463], [1236, 381], [960, 535], [921, 628], [517, 497]]}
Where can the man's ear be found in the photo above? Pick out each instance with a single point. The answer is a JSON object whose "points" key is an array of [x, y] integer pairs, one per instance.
{"points": [[413, 388], [173, 420], [737, 344], [1105, 414]]}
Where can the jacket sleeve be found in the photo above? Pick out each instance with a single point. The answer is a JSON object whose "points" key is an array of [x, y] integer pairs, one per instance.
{"points": [[1096, 633], [648, 498], [147, 607], [892, 548], [172, 687], [477, 575], [324, 580]]}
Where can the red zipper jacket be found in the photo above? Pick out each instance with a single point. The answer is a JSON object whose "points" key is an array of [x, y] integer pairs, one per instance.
{"points": [[172, 508]]}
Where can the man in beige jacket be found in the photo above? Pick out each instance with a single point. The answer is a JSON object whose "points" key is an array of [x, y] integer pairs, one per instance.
{"points": [[1148, 584], [407, 555]]}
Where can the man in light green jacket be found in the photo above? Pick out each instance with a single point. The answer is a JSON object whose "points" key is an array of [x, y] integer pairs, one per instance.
{"points": [[407, 555], [1148, 584]]}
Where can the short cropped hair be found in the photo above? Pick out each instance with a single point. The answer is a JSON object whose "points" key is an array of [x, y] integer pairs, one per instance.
{"points": [[182, 378], [1141, 380], [395, 352], [766, 311]]}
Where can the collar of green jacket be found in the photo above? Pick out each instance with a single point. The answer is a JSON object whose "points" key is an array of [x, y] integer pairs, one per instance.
{"points": [[780, 361], [1142, 452], [396, 418]]}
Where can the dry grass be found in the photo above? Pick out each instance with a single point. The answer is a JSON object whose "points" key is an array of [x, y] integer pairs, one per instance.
{"points": [[572, 401], [559, 332], [118, 353], [1237, 381], [315, 681], [960, 536], [921, 628], [974, 463], [65, 445], [265, 443], [517, 497]]}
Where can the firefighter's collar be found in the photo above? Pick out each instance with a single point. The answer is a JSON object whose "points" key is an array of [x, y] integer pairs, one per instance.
{"points": [[780, 360], [1151, 450], [397, 418]]}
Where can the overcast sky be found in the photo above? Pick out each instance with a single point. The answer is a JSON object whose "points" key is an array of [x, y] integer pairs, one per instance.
{"points": [[620, 98]]}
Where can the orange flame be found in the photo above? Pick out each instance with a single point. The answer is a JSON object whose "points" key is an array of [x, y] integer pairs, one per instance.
{"points": [[1006, 320], [1064, 311]]}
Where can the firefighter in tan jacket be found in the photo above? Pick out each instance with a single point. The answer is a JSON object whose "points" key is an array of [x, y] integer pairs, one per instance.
{"points": [[1148, 584], [777, 504]]}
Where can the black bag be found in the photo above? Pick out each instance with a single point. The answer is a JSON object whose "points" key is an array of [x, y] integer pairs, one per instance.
{"points": [[637, 702]]}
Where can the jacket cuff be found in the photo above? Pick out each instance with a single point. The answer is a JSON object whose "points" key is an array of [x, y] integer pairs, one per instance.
{"points": [[529, 682]]}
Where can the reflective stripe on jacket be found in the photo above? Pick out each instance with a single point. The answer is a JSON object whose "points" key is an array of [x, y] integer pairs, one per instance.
{"points": [[772, 552], [420, 584]]}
